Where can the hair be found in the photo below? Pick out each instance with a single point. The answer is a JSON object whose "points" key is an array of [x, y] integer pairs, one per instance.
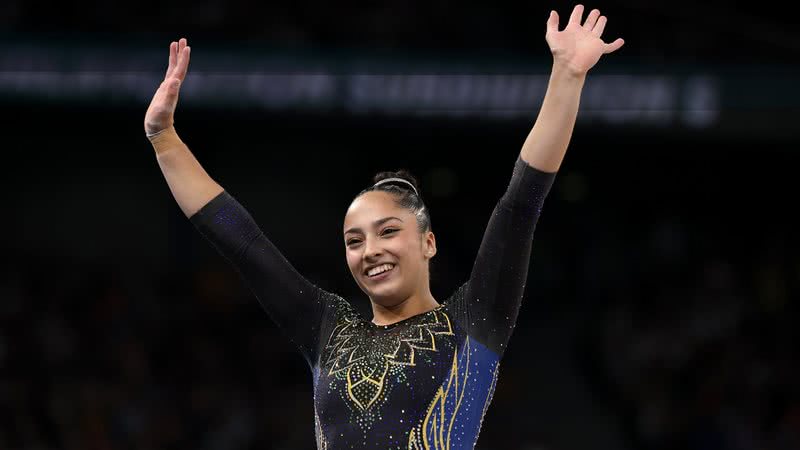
{"points": [[405, 197]]}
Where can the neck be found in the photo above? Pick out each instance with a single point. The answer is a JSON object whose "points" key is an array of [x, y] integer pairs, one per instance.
{"points": [[418, 303]]}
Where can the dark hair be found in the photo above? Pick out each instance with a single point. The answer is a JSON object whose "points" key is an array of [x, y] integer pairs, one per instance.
{"points": [[405, 197]]}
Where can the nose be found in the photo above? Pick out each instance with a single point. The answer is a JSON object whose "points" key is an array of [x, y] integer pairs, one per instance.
{"points": [[372, 249]]}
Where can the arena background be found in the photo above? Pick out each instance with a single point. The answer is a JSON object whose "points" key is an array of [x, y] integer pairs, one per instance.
{"points": [[661, 310]]}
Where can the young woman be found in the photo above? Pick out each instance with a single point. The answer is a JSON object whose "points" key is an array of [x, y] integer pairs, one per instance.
{"points": [[421, 373]]}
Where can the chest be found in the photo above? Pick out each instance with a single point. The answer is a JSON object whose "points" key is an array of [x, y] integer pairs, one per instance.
{"points": [[370, 376]]}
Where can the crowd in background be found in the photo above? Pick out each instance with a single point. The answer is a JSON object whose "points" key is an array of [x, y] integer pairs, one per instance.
{"points": [[699, 348]]}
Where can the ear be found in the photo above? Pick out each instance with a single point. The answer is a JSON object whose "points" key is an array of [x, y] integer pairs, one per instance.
{"points": [[429, 245]]}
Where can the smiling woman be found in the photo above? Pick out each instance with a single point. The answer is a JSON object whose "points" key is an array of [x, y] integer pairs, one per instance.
{"points": [[421, 374], [389, 244], [393, 381]]}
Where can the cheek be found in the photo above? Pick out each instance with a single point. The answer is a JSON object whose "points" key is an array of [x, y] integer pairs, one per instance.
{"points": [[406, 251], [351, 258]]}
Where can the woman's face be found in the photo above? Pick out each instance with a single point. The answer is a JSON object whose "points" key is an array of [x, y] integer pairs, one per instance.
{"points": [[380, 235]]}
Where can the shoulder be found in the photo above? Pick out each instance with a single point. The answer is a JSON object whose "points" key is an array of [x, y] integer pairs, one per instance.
{"points": [[457, 294], [337, 304]]}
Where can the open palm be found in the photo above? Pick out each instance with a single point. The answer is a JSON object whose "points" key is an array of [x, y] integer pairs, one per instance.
{"points": [[160, 113], [579, 47]]}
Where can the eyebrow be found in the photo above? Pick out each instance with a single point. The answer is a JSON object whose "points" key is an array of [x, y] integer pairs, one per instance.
{"points": [[377, 223]]}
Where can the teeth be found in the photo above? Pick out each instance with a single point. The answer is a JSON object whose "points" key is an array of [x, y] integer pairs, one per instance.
{"points": [[380, 269]]}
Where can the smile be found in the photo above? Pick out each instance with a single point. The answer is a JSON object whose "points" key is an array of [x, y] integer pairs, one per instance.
{"points": [[380, 272]]}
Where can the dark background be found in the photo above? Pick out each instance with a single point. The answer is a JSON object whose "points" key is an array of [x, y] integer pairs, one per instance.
{"points": [[662, 301]]}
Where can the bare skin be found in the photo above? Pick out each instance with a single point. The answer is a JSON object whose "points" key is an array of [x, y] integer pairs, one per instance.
{"points": [[160, 113], [576, 49], [191, 186]]}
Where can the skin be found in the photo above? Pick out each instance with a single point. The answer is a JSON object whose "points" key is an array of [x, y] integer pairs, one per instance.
{"points": [[575, 49], [376, 230]]}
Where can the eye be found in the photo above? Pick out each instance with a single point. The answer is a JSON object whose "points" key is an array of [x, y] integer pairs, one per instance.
{"points": [[352, 242], [389, 230]]}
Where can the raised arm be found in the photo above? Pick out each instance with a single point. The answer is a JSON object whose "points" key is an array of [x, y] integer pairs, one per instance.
{"points": [[292, 302], [191, 186], [493, 295], [575, 50]]}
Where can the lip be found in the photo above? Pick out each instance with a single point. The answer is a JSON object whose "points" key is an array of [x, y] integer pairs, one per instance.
{"points": [[383, 275], [372, 266]]}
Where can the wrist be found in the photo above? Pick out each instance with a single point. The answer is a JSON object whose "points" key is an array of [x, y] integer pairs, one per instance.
{"points": [[158, 136], [165, 140], [564, 71]]}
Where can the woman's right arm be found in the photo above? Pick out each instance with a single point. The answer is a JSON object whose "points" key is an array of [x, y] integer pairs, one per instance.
{"points": [[292, 302], [191, 186]]}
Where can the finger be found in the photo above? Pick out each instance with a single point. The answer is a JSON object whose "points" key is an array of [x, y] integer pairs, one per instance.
{"points": [[179, 53], [575, 17], [182, 59], [600, 26], [183, 63], [552, 22], [614, 46], [173, 58], [591, 19]]}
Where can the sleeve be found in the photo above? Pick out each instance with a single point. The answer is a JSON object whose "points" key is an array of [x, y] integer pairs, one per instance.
{"points": [[294, 304], [493, 294]]}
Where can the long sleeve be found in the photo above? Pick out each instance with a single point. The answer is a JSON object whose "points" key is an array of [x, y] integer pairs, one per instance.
{"points": [[490, 300], [291, 301]]}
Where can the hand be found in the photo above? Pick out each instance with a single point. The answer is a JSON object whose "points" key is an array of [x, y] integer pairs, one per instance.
{"points": [[579, 47], [160, 114]]}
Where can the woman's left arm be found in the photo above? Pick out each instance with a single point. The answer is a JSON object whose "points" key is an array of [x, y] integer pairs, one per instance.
{"points": [[492, 297], [575, 50]]}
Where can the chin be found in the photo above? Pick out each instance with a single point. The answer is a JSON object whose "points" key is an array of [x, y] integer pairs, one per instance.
{"points": [[387, 295], [381, 292]]}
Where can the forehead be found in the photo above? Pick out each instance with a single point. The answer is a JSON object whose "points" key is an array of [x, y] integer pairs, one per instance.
{"points": [[372, 206]]}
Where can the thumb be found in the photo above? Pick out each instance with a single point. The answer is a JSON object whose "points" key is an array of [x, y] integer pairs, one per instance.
{"points": [[552, 22], [173, 87], [614, 46]]}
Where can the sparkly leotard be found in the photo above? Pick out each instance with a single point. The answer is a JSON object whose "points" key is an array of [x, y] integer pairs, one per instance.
{"points": [[422, 383]]}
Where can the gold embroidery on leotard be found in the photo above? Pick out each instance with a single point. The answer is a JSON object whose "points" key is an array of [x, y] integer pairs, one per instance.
{"points": [[365, 365], [438, 422]]}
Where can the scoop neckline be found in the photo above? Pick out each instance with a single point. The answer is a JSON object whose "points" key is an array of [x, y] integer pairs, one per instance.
{"points": [[394, 324]]}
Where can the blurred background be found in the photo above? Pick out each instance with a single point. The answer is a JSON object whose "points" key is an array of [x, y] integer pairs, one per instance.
{"points": [[661, 310]]}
